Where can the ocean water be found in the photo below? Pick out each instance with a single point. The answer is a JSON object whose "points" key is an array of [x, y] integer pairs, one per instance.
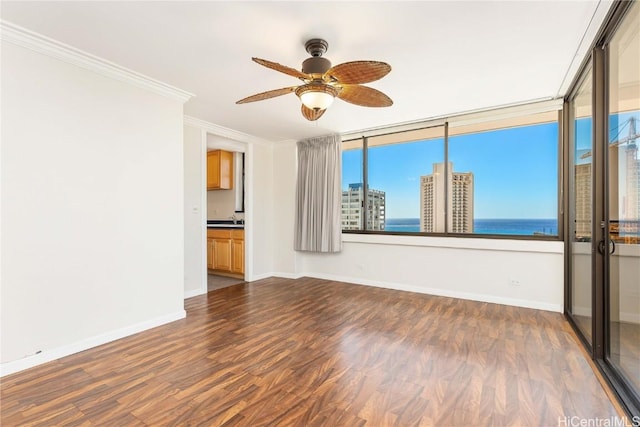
{"points": [[520, 227]]}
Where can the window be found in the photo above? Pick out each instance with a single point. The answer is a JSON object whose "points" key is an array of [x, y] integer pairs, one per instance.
{"points": [[397, 163], [497, 177], [352, 162], [507, 174]]}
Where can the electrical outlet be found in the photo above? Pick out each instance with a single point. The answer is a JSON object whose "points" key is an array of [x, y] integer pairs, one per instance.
{"points": [[514, 282]]}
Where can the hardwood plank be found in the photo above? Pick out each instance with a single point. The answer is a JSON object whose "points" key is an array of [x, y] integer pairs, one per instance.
{"points": [[315, 353]]}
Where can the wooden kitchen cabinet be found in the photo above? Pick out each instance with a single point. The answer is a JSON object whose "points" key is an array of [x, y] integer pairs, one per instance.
{"points": [[225, 251], [210, 254], [219, 170], [237, 251], [222, 254]]}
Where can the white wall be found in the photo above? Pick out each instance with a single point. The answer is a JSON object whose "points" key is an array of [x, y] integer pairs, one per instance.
{"points": [[285, 259], [261, 219], [194, 227], [92, 208], [221, 204]]}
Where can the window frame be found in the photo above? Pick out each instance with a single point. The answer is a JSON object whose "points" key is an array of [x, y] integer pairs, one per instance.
{"points": [[477, 117]]}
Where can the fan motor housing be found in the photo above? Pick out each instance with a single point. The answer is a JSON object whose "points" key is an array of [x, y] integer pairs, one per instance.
{"points": [[316, 65]]}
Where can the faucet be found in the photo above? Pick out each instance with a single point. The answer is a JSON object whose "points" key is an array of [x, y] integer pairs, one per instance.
{"points": [[234, 218]]}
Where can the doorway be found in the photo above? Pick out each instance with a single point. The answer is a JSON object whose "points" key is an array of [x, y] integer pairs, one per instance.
{"points": [[225, 248]]}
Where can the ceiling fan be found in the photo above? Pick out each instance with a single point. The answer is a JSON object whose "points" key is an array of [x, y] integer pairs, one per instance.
{"points": [[322, 82]]}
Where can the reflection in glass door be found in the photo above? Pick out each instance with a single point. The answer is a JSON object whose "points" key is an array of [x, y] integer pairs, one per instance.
{"points": [[624, 200], [580, 204]]}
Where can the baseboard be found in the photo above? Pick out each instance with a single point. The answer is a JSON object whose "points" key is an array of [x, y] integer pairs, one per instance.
{"points": [[57, 353], [259, 277], [276, 274], [444, 293], [288, 275], [630, 317], [194, 293]]}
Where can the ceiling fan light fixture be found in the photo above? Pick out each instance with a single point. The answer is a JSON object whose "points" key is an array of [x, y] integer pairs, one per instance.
{"points": [[318, 96], [322, 83]]}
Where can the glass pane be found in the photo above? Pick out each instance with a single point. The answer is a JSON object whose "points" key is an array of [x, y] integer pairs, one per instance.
{"points": [[503, 176], [624, 199], [581, 197], [398, 165], [352, 185]]}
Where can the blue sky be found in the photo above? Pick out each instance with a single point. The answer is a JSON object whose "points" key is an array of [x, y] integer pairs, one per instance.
{"points": [[618, 128], [515, 171]]}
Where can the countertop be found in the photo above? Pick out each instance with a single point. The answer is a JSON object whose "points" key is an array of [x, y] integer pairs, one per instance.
{"points": [[225, 223]]}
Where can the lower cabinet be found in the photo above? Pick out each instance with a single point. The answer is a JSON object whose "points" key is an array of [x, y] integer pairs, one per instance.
{"points": [[225, 251], [237, 254], [222, 254], [209, 253]]}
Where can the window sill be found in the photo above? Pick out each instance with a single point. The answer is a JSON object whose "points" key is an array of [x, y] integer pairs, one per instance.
{"points": [[502, 244]]}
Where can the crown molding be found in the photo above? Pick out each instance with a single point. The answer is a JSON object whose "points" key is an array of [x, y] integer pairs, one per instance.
{"points": [[223, 131], [23, 37]]}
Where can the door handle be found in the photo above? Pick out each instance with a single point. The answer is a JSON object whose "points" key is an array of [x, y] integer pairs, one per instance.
{"points": [[612, 247]]}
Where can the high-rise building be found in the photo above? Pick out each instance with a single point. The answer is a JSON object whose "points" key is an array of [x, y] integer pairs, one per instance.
{"points": [[632, 201], [352, 208], [630, 224], [583, 201], [459, 188]]}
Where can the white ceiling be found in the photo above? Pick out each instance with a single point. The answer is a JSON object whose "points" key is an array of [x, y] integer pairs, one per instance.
{"points": [[447, 56]]}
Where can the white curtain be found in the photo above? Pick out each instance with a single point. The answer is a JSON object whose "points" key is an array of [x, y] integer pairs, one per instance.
{"points": [[319, 195]]}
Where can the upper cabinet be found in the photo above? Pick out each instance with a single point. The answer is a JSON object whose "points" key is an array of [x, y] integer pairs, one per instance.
{"points": [[219, 170]]}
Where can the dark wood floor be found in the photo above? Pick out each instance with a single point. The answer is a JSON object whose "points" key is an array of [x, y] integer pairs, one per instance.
{"points": [[307, 352]]}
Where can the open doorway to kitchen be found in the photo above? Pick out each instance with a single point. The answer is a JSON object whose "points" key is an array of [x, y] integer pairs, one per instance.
{"points": [[225, 212]]}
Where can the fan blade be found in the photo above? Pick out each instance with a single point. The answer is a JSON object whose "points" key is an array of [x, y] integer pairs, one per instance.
{"points": [[267, 95], [364, 96], [358, 72], [283, 69], [311, 114]]}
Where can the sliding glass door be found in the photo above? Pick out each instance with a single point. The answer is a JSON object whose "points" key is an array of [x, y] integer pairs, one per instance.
{"points": [[580, 205], [623, 194], [603, 204]]}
